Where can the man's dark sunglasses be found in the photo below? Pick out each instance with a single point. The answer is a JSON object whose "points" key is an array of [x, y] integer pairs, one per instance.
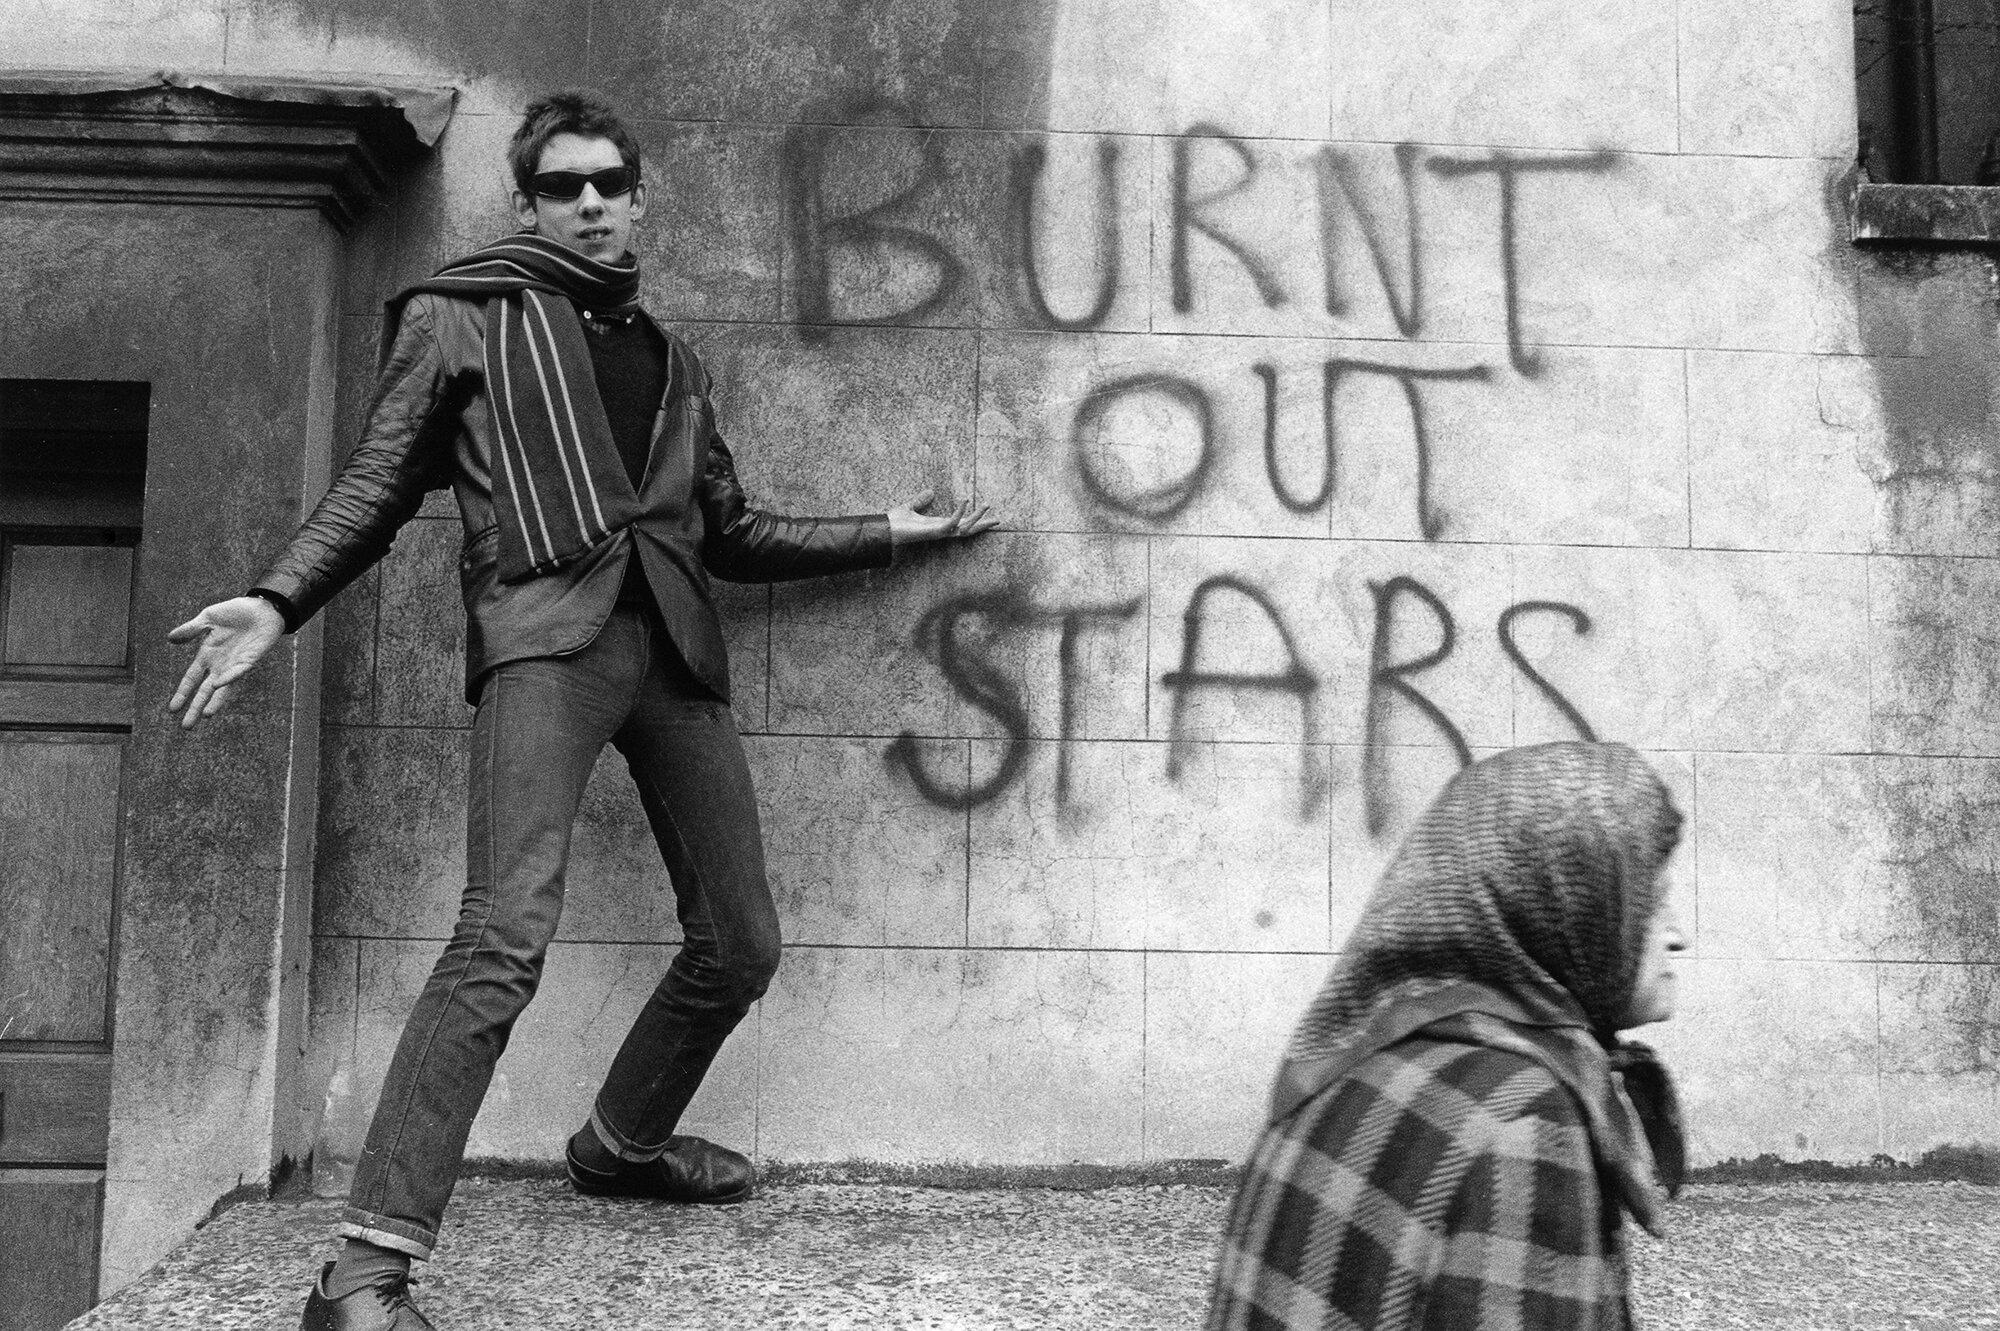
{"points": [[611, 182]]}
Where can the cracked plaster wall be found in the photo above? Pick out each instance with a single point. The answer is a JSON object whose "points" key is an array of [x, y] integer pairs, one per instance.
{"points": [[1564, 294]]}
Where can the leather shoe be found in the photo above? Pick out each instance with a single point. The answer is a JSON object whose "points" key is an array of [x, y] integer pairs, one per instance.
{"points": [[370, 1308], [689, 1170]]}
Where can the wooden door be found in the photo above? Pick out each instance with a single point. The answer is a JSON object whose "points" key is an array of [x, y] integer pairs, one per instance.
{"points": [[72, 460]]}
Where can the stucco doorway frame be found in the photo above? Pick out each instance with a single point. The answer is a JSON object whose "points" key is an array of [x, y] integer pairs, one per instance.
{"points": [[187, 230]]}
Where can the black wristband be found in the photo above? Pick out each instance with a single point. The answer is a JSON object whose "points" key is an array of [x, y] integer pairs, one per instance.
{"points": [[282, 603]]}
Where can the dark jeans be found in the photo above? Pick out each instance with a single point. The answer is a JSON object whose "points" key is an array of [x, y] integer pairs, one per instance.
{"points": [[540, 726]]}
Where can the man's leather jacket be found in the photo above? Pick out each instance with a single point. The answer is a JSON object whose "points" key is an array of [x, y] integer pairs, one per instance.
{"points": [[431, 425]]}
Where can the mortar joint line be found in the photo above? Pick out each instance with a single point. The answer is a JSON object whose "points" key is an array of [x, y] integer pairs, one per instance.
{"points": [[1687, 440], [1145, 1048], [968, 847]]}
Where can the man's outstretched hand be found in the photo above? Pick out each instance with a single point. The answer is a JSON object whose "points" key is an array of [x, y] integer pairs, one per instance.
{"points": [[234, 635], [909, 525]]}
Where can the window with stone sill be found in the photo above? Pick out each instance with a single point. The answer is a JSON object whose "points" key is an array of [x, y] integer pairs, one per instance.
{"points": [[1927, 77]]}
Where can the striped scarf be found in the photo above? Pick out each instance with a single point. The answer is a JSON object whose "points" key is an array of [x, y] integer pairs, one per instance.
{"points": [[559, 484]]}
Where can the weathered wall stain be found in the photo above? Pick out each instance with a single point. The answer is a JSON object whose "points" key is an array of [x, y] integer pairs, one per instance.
{"points": [[1945, 905], [1929, 328]]}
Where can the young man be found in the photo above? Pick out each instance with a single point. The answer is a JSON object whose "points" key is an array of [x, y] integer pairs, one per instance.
{"points": [[597, 498]]}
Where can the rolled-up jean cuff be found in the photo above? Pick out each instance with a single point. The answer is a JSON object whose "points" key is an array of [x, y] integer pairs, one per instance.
{"points": [[621, 1146], [386, 1233]]}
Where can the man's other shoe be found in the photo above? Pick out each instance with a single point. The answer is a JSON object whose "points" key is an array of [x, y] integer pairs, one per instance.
{"points": [[370, 1308], [689, 1170]]}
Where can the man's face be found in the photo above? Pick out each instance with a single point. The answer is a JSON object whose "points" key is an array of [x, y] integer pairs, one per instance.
{"points": [[592, 225]]}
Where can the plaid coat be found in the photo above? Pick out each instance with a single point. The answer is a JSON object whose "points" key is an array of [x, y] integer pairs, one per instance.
{"points": [[1445, 1183]]}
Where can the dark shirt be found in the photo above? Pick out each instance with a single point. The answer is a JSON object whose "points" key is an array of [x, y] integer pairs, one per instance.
{"points": [[629, 361], [628, 358]]}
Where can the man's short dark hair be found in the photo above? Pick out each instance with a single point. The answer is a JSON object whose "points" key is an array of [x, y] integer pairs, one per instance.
{"points": [[572, 111]]}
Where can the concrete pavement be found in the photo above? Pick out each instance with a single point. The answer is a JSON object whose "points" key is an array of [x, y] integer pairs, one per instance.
{"points": [[528, 1253]]}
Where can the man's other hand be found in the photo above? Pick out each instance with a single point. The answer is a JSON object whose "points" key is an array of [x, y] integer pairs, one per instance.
{"points": [[233, 636], [910, 525]]}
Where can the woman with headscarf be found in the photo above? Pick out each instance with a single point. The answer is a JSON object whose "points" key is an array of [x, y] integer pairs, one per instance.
{"points": [[1456, 1129]]}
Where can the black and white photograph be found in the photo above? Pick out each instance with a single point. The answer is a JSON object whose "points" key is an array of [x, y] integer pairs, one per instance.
{"points": [[999, 665]]}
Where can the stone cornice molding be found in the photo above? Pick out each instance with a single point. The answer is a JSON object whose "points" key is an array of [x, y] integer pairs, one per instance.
{"points": [[1926, 216], [171, 138]]}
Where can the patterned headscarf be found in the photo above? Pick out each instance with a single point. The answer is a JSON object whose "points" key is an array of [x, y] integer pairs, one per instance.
{"points": [[1524, 892]]}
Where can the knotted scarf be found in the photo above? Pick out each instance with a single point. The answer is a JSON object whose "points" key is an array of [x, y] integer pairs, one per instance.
{"points": [[1523, 893], [559, 484]]}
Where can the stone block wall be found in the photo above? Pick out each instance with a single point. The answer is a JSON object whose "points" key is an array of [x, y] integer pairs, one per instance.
{"points": [[1317, 355]]}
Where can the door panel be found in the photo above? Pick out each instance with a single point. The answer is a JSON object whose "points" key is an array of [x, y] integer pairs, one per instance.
{"points": [[58, 859], [52, 1107], [72, 704], [45, 1213], [66, 604], [71, 459]]}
